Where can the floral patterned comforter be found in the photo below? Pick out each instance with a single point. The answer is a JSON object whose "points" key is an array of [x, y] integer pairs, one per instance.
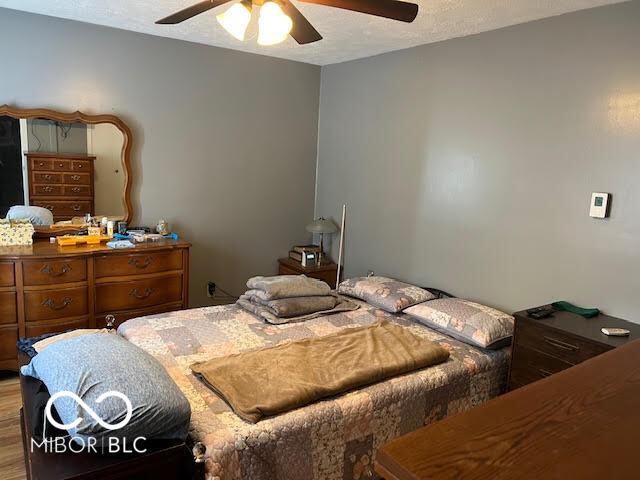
{"points": [[332, 439]]}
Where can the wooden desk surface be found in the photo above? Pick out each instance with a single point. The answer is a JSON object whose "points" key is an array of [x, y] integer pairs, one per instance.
{"points": [[581, 423]]}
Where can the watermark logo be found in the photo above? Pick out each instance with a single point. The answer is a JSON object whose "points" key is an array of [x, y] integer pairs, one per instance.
{"points": [[110, 444]]}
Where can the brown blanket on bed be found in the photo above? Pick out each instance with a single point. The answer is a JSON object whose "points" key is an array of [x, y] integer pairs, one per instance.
{"points": [[278, 379]]}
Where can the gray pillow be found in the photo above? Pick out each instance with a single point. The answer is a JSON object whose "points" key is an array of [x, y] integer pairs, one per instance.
{"points": [[466, 321], [386, 293], [36, 215], [92, 365]]}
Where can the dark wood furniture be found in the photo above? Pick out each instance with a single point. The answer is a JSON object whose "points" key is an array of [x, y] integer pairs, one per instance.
{"points": [[579, 424], [325, 272], [61, 183], [46, 288], [547, 346]]}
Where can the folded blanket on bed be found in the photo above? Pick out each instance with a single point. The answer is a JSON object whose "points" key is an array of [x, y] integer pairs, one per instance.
{"points": [[278, 379], [293, 306], [286, 286], [264, 312]]}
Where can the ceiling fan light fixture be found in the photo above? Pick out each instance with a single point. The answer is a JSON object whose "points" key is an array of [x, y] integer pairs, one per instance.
{"points": [[236, 19], [274, 25]]}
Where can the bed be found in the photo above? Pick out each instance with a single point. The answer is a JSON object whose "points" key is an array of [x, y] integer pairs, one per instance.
{"points": [[332, 439]]}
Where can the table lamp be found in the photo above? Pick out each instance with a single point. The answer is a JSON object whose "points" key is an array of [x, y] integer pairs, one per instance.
{"points": [[322, 226]]}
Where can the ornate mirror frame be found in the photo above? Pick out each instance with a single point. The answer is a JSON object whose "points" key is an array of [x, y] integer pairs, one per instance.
{"points": [[76, 117]]}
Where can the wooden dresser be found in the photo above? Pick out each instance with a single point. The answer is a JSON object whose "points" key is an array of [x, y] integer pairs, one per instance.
{"points": [[46, 288], [61, 183], [549, 345]]}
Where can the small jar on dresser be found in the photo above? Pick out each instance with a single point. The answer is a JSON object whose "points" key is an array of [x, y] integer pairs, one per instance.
{"points": [[543, 347]]}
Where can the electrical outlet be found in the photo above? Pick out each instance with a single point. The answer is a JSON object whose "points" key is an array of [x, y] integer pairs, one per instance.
{"points": [[211, 289]]}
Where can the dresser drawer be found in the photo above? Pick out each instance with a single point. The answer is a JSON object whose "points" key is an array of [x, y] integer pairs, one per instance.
{"points": [[55, 326], [77, 190], [47, 178], [530, 365], [77, 178], [75, 208], [557, 344], [7, 278], [61, 165], [41, 164], [8, 339], [8, 309], [137, 263], [48, 190], [138, 293], [50, 272], [52, 304], [81, 165]]}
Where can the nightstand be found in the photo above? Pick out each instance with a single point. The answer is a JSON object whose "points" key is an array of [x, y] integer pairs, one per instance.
{"points": [[544, 347], [325, 272]]}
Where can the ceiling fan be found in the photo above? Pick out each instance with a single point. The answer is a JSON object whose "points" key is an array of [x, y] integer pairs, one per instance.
{"points": [[280, 18]]}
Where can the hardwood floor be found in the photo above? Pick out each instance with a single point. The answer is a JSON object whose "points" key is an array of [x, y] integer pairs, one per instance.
{"points": [[11, 457]]}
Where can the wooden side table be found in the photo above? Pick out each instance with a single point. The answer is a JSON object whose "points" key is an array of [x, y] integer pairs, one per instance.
{"points": [[325, 272], [544, 347]]}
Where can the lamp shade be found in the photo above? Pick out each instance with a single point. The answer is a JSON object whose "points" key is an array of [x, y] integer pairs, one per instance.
{"points": [[322, 225], [274, 24], [236, 19]]}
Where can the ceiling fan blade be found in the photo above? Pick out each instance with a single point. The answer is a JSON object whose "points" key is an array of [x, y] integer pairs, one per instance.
{"points": [[190, 12], [302, 32], [393, 9]]}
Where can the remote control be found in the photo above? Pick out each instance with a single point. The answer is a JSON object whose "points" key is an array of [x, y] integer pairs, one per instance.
{"points": [[540, 312], [616, 332]]}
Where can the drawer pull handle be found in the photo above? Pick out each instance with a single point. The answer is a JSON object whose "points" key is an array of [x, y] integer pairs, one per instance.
{"points": [[141, 296], [66, 268], [110, 322], [41, 164], [76, 208], [47, 189], [79, 165], [544, 373], [47, 177], [75, 189], [136, 263], [48, 302], [562, 345], [75, 178], [61, 165]]}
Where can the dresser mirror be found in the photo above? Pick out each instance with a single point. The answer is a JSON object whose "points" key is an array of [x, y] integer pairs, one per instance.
{"points": [[70, 164]]}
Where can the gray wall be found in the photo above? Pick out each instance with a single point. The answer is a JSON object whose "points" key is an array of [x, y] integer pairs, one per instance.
{"points": [[224, 142], [469, 164]]}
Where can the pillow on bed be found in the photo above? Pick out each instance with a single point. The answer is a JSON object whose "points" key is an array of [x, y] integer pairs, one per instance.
{"points": [[466, 321], [92, 365], [386, 293]]}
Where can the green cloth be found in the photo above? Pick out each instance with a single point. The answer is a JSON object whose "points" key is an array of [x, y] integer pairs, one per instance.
{"points": [[568, 307]]}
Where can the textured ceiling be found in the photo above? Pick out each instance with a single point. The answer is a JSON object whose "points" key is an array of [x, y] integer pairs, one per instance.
{"points": [[347, 35]]}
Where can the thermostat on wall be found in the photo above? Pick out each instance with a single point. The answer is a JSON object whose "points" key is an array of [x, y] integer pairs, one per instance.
{"points": [[599, 205]]}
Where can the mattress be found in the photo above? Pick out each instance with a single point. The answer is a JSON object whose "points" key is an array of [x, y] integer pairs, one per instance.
{"points": [[331, 439]]}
